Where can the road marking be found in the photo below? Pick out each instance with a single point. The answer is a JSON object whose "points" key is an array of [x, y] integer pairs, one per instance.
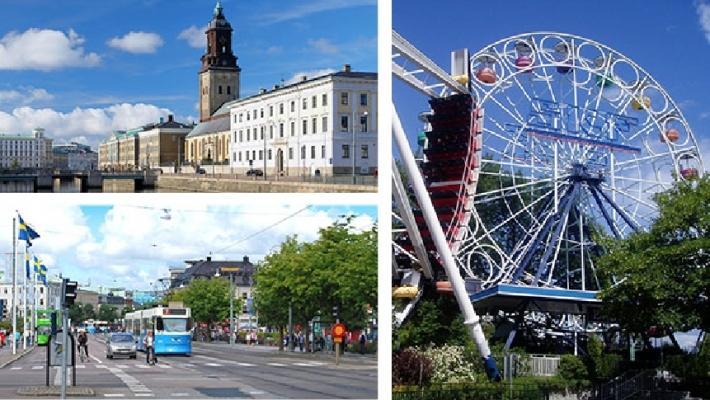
{"points": [[305, 365], [276, 365], [81, 366], [188, 365], [245, 364], [38, 367], [114, 395], [101, 366], [179, 394], [97, 360], [122, 366], [133, 384], [16, 368], [164, 366], [144, 395], [213, 365], [256, 392]]}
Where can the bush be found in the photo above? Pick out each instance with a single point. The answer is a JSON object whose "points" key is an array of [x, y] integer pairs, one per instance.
{"points": [[410, 367], [450, 364], [573, 371]]}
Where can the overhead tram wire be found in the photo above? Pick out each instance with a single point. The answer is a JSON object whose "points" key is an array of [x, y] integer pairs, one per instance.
{"points": [[251, 235], [207, 211]]}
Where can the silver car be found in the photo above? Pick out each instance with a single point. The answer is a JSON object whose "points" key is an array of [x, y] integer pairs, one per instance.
{"points": [[121, 345]]}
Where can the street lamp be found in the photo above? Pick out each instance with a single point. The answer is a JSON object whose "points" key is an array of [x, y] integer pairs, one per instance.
{"points": [[353, 155]]}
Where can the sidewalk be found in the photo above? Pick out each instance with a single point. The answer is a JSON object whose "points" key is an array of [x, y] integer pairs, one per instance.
{"points": [[286, 352], [6, 356]]}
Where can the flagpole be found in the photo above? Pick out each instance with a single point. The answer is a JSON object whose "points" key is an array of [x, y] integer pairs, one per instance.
{"points": [[14, 285], [24, 304], [34, 306]]}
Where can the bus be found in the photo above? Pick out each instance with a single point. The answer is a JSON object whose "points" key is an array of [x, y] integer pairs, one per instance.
{"points": [[171, 329], [44, 325]]}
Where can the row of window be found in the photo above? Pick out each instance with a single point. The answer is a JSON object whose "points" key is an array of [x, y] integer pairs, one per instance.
{"points": [[255, 155], [252, 134], [254, 114]]}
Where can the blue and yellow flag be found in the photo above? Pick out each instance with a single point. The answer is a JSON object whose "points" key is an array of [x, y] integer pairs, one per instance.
{"points": [[37, 263], [42, 276], [26, 232]]}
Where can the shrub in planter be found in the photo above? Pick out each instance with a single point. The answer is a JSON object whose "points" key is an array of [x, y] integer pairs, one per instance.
{"points": [[573, 372], [410, 367]]}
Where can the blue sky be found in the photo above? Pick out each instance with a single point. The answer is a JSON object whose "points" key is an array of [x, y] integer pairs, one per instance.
{"points": [[669, 39], [134, 243], [91, 67]]}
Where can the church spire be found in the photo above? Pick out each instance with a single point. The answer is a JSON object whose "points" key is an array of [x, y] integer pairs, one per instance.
{"points": [[218, 9]]}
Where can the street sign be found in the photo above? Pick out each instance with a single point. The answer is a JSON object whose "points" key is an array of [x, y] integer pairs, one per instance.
{"points": [[230, 269], [339, 330], [56, 348], [338, 339]]}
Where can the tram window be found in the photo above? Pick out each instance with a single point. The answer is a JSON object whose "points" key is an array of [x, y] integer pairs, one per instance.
{"points": [[159, 324]]}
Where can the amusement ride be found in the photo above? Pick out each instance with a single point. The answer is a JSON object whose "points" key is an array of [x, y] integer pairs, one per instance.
{"points": [[534, 148]]}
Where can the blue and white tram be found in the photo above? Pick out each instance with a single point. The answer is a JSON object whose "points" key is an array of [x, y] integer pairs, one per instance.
{"points": [[171, 329]]}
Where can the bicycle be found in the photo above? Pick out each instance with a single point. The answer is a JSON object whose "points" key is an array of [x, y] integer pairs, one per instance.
{"points": [[152, 360], [83, 353]]}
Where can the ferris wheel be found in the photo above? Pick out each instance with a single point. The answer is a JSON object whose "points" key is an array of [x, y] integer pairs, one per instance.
{"points": [[577, 138]]}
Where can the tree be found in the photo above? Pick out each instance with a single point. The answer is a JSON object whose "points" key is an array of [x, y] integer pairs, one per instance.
{"points": [[662, 274], [126, 310], [208, 300], [107, 313]]}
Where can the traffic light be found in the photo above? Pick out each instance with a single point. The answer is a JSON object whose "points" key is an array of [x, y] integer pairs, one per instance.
{"points": [[2, 310], [68, 292]]}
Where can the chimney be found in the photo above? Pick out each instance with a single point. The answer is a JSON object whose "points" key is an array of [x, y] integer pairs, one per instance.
{"points": [[161, 120], [170, 118], [262, 91], [246, 259], [346, 68], [304, 78], [209, 258]]}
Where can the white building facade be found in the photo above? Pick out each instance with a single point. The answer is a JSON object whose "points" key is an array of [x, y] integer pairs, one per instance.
{"points": [[33, 151], [316, 127]]}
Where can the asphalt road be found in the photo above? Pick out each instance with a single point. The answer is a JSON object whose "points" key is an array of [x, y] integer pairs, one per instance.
{"points": [[213, 371]]}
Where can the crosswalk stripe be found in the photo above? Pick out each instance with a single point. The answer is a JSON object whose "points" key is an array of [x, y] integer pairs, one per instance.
{"points": [[213, 365], [38, 367], [164, 366], [143, 394], [304, 364], [188, 365], [277, 365], [114, 395], [122, 366], [16, 368], [245, 364], [81, 366]]}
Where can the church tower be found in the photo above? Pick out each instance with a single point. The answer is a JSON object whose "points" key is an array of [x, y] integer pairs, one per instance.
{"points": [[219, 74]]}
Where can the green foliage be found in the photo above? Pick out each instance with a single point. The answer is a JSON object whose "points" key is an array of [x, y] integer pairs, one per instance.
{"points": [[601, 365], [337, 269], [208, 299], [573, 371], [108, 313], [663, 271], [436, 321], [410, 367], [692, 367], [80, 312], [451, 364]]}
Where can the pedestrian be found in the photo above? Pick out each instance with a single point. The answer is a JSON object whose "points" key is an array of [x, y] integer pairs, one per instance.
{"points": [[2, 339], [363, 342], [149, 343], [300, 341]]}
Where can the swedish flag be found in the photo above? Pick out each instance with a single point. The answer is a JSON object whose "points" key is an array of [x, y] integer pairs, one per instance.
{"points": [[26, 232], [37, 264], [27, 264], [43, 274]]}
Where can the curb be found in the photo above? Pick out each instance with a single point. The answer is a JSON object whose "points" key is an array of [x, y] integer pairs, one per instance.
{"points": [[52, 391], [16, 357]]}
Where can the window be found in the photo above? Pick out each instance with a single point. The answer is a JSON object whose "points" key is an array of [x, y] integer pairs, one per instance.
{"points": [[271, 111], [314, 102], [261, 113], [235, 118], [220, 89], [363, 99], [261, 154], [240, 117], [322, 152], [305, 104], [246, 155], [313, 152], [344, 98], [344, 123], [248, 116], [324, 100], [281, 130], [293, 128], [241, 137], [240, 156], [293, 106], [290, 153], [281, 108], [363, 151], [229, 90], [271, 132], [363, 123], [248, 134], [305, 126], [262, 133], [255, 113], [315, 125], [253, 154], [269, 154], [346, 151], [303, 152]]}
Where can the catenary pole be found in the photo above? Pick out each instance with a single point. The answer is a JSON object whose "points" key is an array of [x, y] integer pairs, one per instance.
{"points": [[14, 285]]}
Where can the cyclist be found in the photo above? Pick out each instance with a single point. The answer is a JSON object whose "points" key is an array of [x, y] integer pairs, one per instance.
{"points": [[83, 346], [149, 343]]}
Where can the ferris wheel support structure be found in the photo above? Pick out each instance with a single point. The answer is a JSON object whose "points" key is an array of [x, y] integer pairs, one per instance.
{"points": [[471, 320]]}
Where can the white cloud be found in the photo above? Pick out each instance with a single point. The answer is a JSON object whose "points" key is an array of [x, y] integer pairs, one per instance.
{"points": [[194, 36], [45, 50], [137, 42], [24, 96], [703, 10], [308, 74], [93, 124], [274, 50], [312, 7], [324, 46]]}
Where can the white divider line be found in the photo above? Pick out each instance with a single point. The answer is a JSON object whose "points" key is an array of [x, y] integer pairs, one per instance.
{"points": [[38, 367], [276, 365], [97, 360], [16, 368], [114, 395]]}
